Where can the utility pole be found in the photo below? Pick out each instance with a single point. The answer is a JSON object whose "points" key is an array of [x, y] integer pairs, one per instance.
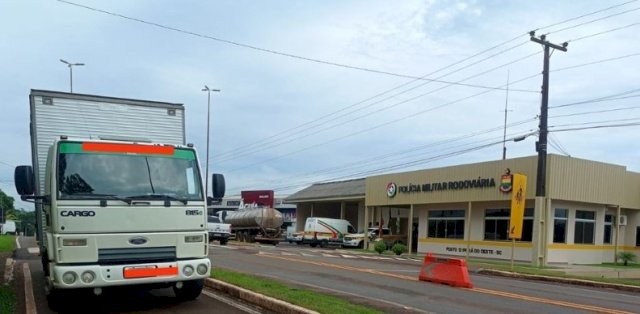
{"points": [[206, 178], [541, 145], [539, 251], [504, 136]]}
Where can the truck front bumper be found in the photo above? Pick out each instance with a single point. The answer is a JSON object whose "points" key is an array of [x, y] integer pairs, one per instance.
{"points": [[92, 276], [352, 243]]}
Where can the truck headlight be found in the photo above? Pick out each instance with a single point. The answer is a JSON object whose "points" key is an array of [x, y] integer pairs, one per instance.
{"points": [[194, 238], [88, 276], [187, 270], [202, 269], [69, 277]]}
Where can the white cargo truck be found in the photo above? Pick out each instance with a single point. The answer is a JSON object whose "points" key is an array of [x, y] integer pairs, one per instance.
{"points": [[326, 231], [119, 196]]}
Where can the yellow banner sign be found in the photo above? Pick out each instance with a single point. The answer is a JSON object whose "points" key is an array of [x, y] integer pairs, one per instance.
{"points": [[517, 205]]}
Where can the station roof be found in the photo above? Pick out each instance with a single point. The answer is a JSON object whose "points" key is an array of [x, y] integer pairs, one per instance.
{"points": [[339, 190]]}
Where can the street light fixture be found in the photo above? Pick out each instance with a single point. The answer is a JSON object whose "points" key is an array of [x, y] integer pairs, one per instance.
{"points": [[70, 65], [206, 178]]}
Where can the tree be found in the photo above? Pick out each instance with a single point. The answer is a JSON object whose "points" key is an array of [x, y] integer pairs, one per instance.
{"points": [[26, 221], [6, 205]]}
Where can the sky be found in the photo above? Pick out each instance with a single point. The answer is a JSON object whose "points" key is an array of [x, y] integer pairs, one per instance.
{"points": [[318, 91]]}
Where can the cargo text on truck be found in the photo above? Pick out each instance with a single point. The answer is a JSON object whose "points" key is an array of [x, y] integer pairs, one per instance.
{"points": [[119, 195]]}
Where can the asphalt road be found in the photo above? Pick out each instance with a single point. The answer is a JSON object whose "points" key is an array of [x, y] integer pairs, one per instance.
{"points": [[120, 300], [391, 283]]}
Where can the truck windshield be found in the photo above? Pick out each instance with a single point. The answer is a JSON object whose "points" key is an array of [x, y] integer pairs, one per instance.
{"points": [[86, 171]]}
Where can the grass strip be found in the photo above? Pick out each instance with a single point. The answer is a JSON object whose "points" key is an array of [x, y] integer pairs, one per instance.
{"points": [[7, 300], [305, 298], [7, 243], [548, 271]]}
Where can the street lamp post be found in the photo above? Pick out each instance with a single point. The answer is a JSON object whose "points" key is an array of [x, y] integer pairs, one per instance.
{"points": [[206, 178], [70, 65]]}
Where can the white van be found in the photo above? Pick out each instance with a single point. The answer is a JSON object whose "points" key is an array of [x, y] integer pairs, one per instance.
{"points": [[326, 231], [9, 227]]}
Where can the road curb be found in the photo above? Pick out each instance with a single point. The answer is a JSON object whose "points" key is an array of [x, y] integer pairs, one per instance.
{"points": [[582, 282], [8, 271], [260, 300]]}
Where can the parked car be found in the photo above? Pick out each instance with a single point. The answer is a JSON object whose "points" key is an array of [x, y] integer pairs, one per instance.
{"points": [[217, 230], [295, 237], [357, 239]]}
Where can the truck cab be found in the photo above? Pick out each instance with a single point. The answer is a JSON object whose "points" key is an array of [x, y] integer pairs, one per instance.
{"points": [[120, 213]]}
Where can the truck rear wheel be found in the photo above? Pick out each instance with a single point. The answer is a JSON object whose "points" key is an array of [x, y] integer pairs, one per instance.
{"points": [[190, 290]]}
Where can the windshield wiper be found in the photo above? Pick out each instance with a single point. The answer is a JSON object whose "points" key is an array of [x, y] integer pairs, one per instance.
{"points": [[158, 196], [100, 197]]}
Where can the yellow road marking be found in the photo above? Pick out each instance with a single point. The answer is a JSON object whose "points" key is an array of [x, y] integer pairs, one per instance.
{"points": [[592, 308]]}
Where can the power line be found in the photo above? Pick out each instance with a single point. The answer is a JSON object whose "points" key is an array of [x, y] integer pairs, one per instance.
{"points": [[597, 61], [329, 62], [593, 21], [6, 164], [556, 144], [604, 98], [403, 165], [395, 155], [594, 122], [587, 14], [610, 97], [271, 51], [570, 67], [416, 150], [381, 158], [594, 112], [598, 127], [605, 32], [403, 102], [267, 143], [311, 125], [459, 152], [413, 115]]}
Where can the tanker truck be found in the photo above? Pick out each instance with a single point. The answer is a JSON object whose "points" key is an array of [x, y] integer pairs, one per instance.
{"points": [[252, 223]]}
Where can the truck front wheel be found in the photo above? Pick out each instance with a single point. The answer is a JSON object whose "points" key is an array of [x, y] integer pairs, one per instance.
{"points": [[190, 290], [56, 299]]}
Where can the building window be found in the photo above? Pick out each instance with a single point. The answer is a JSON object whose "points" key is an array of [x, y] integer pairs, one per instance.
{"points": [[637, 236], [608, 228], [496, 224], [585, 226], [560, 225], [446, 224]]}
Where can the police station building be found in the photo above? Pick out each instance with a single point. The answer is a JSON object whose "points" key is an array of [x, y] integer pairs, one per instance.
{"points": [[590, 211]]}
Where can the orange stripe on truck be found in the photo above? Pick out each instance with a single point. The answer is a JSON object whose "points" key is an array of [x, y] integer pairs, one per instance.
{"points": [[128, 148], [150, 272]]}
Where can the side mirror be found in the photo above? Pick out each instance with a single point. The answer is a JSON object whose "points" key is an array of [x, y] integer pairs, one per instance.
{"points": [[24, 180], [217, 185]]}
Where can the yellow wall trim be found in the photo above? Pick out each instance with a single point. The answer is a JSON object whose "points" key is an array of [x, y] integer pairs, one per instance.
{"points": [[464, 242], [557, 246]]}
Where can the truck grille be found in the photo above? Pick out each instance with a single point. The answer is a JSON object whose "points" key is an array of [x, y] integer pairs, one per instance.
{"points": [[136, 255]]}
